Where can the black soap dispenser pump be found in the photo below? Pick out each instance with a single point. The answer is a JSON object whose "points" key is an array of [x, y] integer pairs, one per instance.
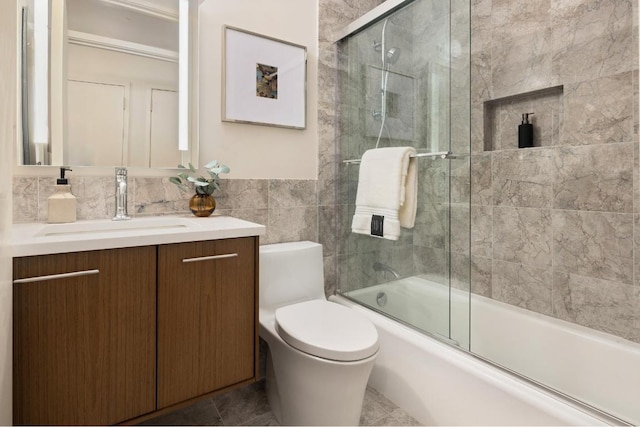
{"points": [[525, 132], [62, 180]]}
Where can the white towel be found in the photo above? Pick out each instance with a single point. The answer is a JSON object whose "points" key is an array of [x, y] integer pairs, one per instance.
{"points": [[387, 192]]}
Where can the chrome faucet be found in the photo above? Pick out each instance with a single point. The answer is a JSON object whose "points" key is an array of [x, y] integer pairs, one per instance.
{"points": [[378, 266], [121, 195]]}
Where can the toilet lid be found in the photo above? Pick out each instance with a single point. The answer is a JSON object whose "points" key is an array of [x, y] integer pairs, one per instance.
{"points": [[328, 330]]}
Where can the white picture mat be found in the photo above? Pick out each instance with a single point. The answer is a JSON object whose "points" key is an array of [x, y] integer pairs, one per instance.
{"points": [[242, 52]]}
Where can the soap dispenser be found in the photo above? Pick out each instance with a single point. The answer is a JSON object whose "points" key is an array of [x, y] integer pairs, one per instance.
{"points": [[62, 204], [525, 132]]}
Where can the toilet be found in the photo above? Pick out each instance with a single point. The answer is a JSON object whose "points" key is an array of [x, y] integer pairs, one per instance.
{"points": [[320, 353]]}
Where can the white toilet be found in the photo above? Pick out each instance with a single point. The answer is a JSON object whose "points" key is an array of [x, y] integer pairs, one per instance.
{"points": [[320, 353]]}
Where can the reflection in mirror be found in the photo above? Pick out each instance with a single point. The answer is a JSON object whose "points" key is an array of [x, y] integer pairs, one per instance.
{"points": [[115, 74]]}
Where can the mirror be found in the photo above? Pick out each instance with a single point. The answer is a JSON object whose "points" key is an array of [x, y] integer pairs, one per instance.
{"points": [[106, 83]]}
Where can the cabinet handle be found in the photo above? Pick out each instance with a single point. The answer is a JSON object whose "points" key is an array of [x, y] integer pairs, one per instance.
{"points": [[57, 276], [207, 258]]}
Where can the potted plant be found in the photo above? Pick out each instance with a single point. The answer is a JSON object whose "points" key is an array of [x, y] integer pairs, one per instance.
{"points": [[202, 203]]}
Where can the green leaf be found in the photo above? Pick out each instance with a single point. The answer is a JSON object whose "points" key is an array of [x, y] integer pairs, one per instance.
{"points": [[198, 181], [201, 184], [211, 164]]}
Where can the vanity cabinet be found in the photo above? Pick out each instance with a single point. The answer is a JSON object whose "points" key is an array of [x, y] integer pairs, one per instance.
{"points": [[116, 335], [84, 336], [206, 317]]}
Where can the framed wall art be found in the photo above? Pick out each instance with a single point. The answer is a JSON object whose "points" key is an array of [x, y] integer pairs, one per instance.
{"points": [[263, 80]]}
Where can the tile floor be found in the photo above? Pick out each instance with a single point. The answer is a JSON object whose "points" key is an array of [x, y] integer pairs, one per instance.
{"points": [[248, 406]]}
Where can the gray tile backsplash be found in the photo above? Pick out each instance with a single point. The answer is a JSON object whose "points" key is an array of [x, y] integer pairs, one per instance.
{"points": [[288, 208]]}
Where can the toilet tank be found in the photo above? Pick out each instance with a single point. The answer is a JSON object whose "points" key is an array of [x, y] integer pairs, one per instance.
{"points": [[289, 273]]}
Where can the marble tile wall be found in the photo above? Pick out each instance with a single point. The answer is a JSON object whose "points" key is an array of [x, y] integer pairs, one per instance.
{"points": [[287, 207], [555, 227]]}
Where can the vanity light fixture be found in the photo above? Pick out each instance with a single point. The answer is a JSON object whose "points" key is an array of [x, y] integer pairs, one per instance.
{"points": [[41, 72], [183, 76]]}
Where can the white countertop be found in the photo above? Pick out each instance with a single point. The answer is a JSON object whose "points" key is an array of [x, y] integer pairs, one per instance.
{"points": [[39, 239]]}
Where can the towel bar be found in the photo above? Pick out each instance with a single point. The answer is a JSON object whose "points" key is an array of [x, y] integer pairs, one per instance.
{"points": [[442, 154]]}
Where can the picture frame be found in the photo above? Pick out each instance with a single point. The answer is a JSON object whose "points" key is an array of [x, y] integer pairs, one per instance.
{"points": [[263, 80]]}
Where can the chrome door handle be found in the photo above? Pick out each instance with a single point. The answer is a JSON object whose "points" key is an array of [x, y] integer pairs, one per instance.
{"points": [[57, 276], [212, 257]]}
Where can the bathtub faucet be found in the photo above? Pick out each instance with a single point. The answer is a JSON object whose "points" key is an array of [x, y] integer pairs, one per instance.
{"points": [[121, 195], [378, 266]]}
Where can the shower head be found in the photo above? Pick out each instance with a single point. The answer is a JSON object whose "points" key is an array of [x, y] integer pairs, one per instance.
{"points": [[392, 55]]}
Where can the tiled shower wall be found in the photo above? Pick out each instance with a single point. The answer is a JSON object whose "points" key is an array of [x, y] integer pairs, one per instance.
{"points": [[556, 228], [287, 207]]}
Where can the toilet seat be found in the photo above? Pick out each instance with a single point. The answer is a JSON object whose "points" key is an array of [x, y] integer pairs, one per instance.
{"points": [[327, 330]]}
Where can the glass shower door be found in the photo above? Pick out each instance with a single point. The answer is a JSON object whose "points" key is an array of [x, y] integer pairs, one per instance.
{"points": [[404, 81]]}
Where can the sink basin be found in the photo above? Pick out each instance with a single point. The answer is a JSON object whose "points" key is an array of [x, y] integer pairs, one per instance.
{"points": [[92, 227]]}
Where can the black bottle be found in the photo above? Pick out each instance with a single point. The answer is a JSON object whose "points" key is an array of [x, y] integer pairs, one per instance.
{"points": [[525, 132]]}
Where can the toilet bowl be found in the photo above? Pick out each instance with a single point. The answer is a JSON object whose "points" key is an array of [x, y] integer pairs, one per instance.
{"points": [[320, 353]]}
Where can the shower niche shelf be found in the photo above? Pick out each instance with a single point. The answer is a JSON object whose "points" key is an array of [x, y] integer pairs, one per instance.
{"points": [[503, 115]]}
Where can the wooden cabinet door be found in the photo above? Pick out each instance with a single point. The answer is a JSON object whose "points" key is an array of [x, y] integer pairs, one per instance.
{"points": [[207, 334], [84, 346]]}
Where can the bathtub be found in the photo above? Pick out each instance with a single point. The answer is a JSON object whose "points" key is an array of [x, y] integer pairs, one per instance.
{"points": [[440, 384]]}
